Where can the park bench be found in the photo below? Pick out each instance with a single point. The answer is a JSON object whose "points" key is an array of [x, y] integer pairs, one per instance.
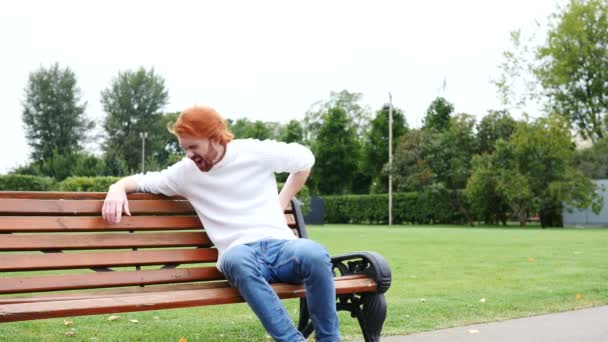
{"points": [[159, 258]]}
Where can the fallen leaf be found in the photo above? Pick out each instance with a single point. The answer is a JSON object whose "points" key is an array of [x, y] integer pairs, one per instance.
{"points": [[70, 333], [182, 339], [156, 317], [531, 260], [578, 296], [113, 318], [67, 323], [473, 331], [133, 321], [482, 300]]}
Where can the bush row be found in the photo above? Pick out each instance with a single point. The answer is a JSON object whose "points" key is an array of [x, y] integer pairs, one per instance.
{"points": [[411, 207], [17, 182]]}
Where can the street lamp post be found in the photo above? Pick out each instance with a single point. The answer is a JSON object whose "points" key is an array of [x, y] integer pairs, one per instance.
{"points": [[143, 136], [390, 159]]}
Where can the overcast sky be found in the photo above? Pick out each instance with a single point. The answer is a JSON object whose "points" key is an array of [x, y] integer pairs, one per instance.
{"points": [[264, 60]]}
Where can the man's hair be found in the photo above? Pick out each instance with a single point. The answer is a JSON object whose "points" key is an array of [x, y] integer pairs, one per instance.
{"points": [[201, 122]]}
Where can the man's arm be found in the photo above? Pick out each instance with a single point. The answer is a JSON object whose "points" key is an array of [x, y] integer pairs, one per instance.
{"points": [[294, 183], [116, 200]]}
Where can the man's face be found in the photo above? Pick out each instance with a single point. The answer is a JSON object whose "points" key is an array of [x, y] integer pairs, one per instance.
{"points": [[201, 151]]}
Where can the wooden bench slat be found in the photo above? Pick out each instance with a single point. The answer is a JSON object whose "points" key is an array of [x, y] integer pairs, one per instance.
{"points": [[12, 206], [55, 297], [29, 242], [156, 301], [11, 285], [87, 223], [80, 195], [56, 261], [135, 290]]}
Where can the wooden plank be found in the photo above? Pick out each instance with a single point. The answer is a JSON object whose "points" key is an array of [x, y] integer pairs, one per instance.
{"points": [[87, 207], [55, 261], [156, 301], [27, 224], [29, 242], [134, 290], [79, 195], [121, 292], [106, 279]]}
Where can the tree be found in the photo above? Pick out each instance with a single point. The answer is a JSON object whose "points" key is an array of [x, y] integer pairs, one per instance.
{"points": [[574, 64], [243, 128], [293, 132], [533, 172], [375, 150], [438, 114], [53, 114], [593, 161], [497, 124], [349, 102], [133, 104], [337, 151]]}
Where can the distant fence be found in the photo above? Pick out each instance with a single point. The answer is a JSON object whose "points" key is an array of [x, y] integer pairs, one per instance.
{"points": [[586, 217]]}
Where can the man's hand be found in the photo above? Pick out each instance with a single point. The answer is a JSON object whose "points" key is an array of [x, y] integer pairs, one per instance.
{"points": [[115, 203], [294, 183]]}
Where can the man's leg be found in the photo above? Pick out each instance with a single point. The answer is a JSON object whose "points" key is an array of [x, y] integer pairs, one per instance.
{"points": [[303, 260], [244, 270]]}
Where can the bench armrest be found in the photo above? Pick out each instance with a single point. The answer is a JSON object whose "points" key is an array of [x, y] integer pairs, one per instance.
{"points": [[371, 264]]}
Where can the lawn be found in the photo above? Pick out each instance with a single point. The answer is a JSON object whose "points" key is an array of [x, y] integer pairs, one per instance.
{"points": [[442, 277]]}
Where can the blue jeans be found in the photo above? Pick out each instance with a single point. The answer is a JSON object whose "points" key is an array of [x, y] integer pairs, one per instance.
{"points": [[251, 267]]}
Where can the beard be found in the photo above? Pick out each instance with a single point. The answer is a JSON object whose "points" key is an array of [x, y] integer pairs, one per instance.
{"points": [[202, 163]]}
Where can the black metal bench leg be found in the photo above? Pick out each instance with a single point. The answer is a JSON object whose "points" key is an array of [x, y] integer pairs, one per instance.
{"points": [[372, 315], [304, 323]]}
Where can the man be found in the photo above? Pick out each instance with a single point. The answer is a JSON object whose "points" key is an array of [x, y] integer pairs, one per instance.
{"points": [[231, 185]]}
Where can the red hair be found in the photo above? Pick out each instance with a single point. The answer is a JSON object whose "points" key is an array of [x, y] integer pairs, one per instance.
{"points": [[201, 122]]}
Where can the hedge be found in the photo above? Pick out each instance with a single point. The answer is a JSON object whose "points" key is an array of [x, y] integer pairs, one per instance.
{"points": [[89, 184], [18, 182], [411, 207]]}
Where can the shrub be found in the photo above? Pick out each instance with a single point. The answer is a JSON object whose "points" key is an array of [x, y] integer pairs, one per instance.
{"points": [[90, 184], [411, 207], [19, 182]]}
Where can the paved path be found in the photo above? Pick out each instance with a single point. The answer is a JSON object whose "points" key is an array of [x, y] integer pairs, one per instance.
{"points": [[584, 325]]}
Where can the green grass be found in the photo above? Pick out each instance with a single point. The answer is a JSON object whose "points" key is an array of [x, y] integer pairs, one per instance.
{"points": [[439, 276]]}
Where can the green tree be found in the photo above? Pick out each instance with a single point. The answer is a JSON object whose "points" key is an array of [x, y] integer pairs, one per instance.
{"points": [[358, 114], [293, 132], [593, 161], [533, 172], [574, 64], [133, 104], [53, 114], [337, 152], [497, 124], [244, 128], [438, 114], [375, 149]]}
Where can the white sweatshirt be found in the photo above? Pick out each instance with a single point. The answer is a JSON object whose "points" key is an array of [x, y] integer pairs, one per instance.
{"points": [[237, 200]]}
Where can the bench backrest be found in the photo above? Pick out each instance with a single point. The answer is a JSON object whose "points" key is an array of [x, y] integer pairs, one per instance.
{"points": [[162, 243]]}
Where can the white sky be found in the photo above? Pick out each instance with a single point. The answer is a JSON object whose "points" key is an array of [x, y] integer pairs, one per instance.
{"points": [[264, 60]]}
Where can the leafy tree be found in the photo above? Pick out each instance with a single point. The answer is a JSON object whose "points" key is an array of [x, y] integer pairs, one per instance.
{"points": [[244, 128], [293, 132], [337, 152], [498, 124], [533, 172], [593, 161], [375, 150], [349, 102], [133, 104], [53, 113], [573, 66], [438, 114]]}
